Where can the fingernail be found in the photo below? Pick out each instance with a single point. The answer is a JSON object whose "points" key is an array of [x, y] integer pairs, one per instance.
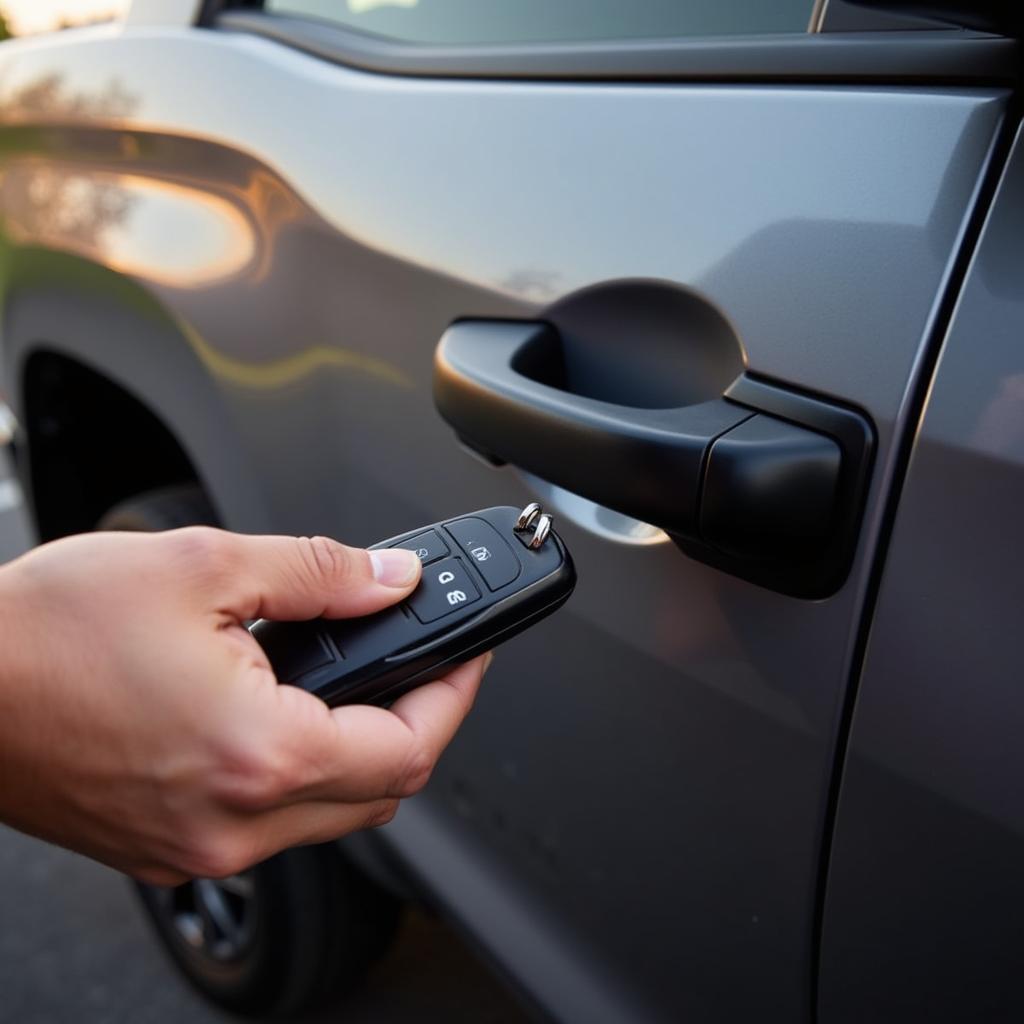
{"points": [[395, 567], [490, 658]]}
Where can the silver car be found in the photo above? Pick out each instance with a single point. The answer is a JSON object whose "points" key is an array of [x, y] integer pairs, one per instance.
{"points": [[736, 290]]}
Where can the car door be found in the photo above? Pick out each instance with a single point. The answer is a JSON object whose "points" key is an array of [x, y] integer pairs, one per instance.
{"points": [[924, 889], [708, 207]]}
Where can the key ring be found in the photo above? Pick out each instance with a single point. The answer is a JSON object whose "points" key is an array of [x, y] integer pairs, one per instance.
{"points": [[527, 516], [541, 533]]}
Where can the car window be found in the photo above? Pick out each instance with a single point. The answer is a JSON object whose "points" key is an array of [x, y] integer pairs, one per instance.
{"points": [[527, 21]]}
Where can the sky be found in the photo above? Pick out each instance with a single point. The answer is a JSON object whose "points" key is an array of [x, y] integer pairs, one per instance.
{"points": [[25, 16]]}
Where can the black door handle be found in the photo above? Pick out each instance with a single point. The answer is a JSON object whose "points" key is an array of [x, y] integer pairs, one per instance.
{"points": [[643, 462], [760, 481]]}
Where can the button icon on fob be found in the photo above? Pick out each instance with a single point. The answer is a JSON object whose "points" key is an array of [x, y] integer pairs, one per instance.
{"points": [[428, 546], [446, 586], [488, 549]]}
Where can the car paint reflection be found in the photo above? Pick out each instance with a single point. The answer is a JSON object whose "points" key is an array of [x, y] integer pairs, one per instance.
{"points": [[165, 232]]}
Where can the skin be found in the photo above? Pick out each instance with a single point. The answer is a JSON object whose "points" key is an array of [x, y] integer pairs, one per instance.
{"points": [[141, 724]]}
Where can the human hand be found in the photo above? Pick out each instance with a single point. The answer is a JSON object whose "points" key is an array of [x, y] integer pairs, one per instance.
{"points": [[141, 724]]}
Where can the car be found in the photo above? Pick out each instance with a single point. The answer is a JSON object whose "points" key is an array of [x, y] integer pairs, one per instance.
{"points": [[734, 291]]}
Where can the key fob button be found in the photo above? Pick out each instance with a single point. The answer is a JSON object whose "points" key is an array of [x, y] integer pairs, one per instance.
{"points": [[445, 588], [429, 546], [491, 555]]}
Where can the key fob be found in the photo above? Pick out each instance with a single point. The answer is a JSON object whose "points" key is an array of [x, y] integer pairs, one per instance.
{"points": [[487, 576]]}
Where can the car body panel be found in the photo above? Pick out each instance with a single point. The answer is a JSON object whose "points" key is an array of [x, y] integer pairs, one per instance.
{"points": [[647, 772], [925, 886]]}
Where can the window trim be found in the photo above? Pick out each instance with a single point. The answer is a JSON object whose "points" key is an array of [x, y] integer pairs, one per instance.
{"points": [[945, 56]]}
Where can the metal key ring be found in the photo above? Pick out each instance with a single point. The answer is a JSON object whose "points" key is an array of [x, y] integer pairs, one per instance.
{"points": [[541, 533], [527, 516]]}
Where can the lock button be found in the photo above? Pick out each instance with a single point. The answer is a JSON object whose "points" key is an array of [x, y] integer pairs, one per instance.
{"points": [[429, 546], [444, 588]]}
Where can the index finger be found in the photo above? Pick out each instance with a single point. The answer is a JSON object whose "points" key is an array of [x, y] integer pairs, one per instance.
{"points": [[434, 712], [361, 753]]}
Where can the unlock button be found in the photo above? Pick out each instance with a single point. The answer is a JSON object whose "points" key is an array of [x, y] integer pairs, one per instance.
{"points": [[445, 588]]}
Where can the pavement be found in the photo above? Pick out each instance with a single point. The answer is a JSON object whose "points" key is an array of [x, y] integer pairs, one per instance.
{"points": [[74, 946]]}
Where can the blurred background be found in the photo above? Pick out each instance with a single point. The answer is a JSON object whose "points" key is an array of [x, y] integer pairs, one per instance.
{"points": [[25, 17]]}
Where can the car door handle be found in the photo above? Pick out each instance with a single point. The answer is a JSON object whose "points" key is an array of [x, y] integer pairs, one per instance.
{"points": [[758, 481]]}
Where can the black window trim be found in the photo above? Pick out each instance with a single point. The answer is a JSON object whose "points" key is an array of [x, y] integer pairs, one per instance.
{"points": [[944, 56]]}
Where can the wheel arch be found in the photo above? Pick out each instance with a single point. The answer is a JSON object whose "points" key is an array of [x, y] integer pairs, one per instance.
{"points": [[111, 396]]}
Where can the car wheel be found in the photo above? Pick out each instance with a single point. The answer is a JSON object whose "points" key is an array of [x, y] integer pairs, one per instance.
{"points": [[293, 931], [286, 936]]}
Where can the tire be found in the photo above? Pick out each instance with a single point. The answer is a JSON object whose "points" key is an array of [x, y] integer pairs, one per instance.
{"points": [[290, 934]]}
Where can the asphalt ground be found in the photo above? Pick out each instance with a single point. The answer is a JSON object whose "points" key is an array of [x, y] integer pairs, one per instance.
{"points": [[74, 946]]}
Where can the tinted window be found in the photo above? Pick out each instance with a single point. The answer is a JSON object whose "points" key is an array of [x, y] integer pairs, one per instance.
{"points": [[524, 21]]}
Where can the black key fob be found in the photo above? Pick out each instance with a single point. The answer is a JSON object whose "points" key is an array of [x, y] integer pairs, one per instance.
{"points": [[487, 576]]}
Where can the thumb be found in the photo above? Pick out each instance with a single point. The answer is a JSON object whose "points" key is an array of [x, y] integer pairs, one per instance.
{"points": [[308, 577]]}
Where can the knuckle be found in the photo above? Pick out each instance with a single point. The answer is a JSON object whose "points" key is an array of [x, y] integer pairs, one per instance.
{"points": [[227, 856], [275, 778], [201, 550], [382, 814], [215, 851], [325, 558], [415, 773], [255, 777]]}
